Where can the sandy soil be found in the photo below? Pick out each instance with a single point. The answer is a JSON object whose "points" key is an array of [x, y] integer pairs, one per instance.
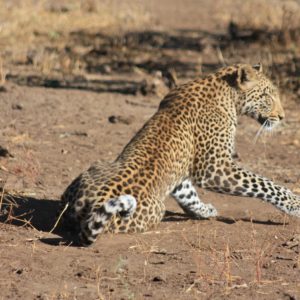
{"points": [[251, 251]]}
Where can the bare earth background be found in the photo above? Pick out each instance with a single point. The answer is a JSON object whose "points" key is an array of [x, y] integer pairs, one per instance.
{"points": [[77, 80]]}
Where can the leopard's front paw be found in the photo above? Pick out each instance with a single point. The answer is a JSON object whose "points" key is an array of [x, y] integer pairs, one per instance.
{"points": [[206, 211], [292, 206], [294, 210]]}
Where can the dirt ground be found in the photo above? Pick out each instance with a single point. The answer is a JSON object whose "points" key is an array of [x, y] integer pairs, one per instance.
{"points": [[75, 94]]}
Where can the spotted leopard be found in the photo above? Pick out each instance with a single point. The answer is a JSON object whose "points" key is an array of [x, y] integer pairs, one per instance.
{"points": [[188, 142]]}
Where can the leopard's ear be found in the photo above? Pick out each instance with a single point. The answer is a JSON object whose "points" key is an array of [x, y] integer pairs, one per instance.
{"points": [[258, 67], [246, 78]]}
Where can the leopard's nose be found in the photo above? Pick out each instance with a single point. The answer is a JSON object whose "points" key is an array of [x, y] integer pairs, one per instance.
{"points": [[281, 116]]}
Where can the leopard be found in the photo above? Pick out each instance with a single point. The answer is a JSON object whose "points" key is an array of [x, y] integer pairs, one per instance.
{"points": [[187, 144]]}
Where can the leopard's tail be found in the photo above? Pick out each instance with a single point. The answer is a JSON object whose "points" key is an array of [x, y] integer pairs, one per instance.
{"points": [[124, 205]]}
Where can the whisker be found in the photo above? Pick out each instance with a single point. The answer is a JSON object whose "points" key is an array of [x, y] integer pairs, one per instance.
{"points": [[272, 128], [261, 129]]}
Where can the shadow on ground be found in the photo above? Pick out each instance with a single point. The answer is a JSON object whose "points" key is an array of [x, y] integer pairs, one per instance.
{"points": [[181, 217], [40, 214], [21, 210], [146, 52]]}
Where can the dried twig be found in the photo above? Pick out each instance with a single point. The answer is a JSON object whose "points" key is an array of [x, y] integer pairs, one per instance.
{"points": [[59, 217]]}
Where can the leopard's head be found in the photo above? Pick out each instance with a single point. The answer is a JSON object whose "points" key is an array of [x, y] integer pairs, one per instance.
{"points": [[258, 96]]}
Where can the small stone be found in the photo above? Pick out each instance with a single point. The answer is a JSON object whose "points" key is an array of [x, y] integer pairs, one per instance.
{"points": [[79, 274], [112, 119], [4, 152], [158, 278], [19, 271], [119, 119], [17, 106]]}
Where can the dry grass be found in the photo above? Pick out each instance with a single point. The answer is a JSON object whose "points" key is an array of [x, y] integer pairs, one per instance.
{"points": [[7, 202], [220, 267], [20, 21], [258, 14], [2, 76], [1, 193]]}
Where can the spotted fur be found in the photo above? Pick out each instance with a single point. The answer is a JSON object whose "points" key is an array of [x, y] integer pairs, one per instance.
{"points": [[188, 141]]}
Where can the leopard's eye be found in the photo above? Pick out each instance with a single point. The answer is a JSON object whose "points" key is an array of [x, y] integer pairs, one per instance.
{"points": [[268, 96]]}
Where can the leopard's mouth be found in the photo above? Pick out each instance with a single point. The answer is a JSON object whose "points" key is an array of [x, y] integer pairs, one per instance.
{"points": [[268, 123], [262, 120]]}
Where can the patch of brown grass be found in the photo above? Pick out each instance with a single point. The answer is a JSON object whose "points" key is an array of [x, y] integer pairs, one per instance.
{"points": [[219, 267], [20, 21], [259, 14], [2, 76]]}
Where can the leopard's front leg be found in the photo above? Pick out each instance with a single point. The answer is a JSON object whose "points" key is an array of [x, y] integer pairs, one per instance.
{"points": [[228, 178], [188, 199]]}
